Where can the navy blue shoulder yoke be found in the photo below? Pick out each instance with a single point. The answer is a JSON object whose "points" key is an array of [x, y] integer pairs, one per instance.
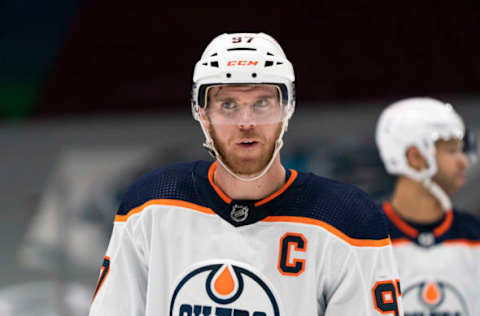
{"points": [[343, 206], [172, 182]]}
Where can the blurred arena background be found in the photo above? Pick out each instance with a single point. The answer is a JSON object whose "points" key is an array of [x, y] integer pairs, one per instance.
{"points": [[94, 93]]}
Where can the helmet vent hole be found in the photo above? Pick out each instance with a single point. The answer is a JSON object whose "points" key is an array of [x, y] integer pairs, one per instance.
{"points": [[205, 64], [229, 75], [279, 63], [241, 48], [214, 64], [270, 54], [254, 75], [268, 63], [213, 55]]}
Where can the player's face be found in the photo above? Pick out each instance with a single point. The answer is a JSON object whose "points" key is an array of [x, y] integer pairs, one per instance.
{"points": [[452, 163], [244, 122]]}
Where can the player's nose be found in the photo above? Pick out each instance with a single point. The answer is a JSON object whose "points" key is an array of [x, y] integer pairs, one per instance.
{"points": [[463, 161], [246, 119]]}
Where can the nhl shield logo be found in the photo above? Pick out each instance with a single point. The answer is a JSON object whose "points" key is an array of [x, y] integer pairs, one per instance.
{"points": [[239, 213]]}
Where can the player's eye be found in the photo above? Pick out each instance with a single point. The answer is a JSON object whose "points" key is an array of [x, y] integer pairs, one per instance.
{"points": [[229, 105], [262, 104]]}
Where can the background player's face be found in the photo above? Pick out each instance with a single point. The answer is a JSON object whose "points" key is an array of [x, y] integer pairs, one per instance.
{"points": [[246, 144], [451, 163]]}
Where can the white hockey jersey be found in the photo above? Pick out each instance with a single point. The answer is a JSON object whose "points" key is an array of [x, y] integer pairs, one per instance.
{"points": [[181, 247], [439, 264]]}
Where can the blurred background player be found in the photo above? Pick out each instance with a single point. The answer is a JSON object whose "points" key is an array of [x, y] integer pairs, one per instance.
{"points": [[242, 235], [425, 143]]}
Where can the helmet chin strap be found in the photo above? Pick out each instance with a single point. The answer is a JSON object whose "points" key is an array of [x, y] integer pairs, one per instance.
{"points": [[210, 146], [425, 177], [438, 193]]}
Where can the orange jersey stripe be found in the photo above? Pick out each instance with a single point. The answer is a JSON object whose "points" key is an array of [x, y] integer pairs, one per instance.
{"points": [[447, 222], [463, 242], [400, 241], [211, 171], [291, 219], [102, 278], [453, 242], [179, 203], [330, 228], [407, 229], [282, 189]]}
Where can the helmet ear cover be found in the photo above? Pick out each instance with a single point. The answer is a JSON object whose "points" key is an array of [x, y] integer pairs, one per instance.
{"points": [[202, 92]]}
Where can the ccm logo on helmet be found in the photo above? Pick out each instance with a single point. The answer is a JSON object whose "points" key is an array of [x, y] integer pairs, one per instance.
{"points": [[242, 63]]}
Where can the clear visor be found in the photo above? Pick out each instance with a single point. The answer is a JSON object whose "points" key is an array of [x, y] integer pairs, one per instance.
{"points": [[470, 145], [243, 104]]}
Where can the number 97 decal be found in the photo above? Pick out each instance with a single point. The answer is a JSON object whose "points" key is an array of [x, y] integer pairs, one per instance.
{"points": [[385, 296], [240, 39]]}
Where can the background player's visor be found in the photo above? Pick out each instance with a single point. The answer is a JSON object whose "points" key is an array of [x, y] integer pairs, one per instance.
{"points": [[470, 145], [243, 105]]}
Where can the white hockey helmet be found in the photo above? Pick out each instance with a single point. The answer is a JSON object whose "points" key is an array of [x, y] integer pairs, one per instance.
{"points": [[418, 122], [243, 58]]}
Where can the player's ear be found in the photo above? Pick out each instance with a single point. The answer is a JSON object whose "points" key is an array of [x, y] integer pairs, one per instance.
{"points": [[204, 118], [415, 158]]}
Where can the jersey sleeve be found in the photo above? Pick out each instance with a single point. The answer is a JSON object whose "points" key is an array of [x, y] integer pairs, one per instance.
{"points": [[366, 282], [363, 278], [123, 281], [122, 284]]}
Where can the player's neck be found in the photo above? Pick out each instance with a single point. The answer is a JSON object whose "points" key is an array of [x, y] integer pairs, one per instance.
{"points": [[258, 189], [414, 202]]}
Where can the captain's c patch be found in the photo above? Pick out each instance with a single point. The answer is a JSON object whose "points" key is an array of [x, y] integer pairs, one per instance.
{"points": [[287, 263]]}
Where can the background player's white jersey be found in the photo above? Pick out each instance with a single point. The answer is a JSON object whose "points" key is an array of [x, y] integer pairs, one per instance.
{"points": [[181, 247], [439, 264]]}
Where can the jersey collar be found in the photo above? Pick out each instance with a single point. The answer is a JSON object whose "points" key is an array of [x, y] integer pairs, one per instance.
{"points": [[410, 230], [241, 212], [291, 176]]}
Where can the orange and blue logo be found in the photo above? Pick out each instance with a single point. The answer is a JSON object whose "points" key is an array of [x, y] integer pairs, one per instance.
{"points": [[434, 298], [221, 289]]}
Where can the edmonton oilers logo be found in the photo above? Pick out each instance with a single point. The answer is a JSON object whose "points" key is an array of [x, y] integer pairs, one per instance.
{"points": [[223, 289], [433, 298]]}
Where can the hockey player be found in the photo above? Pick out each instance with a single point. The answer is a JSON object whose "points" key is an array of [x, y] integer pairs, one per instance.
{"points": [[424, 142], [243, 236]]}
